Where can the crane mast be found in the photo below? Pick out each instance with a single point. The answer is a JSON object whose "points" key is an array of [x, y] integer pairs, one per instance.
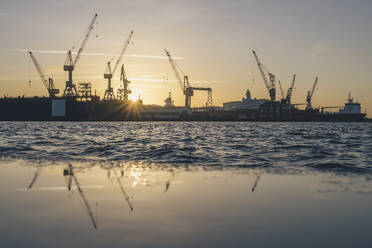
{"points": [[188, 91], [290, 90], [310, 95], [109, 93], [270, 86], [48, 83], [70, 64]]}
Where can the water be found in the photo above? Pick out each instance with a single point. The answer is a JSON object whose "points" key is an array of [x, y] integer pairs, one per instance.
{"points": [[191, 184], [277, 146]]}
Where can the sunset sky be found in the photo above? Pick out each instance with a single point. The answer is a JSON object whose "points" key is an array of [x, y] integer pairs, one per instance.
{"points": [[213, 40]]}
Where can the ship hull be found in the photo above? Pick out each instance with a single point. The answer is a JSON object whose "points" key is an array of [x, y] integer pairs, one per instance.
{"points": [[72, 109]]}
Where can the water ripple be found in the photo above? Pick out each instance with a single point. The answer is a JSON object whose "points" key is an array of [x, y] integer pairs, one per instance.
{"points": [[281, 146]]}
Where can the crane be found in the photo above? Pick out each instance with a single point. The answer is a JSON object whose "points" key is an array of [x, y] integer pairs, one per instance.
{"points": [[281, 90], [270, 86], [70, 64], [70, 174], [310, 95], [48, 83], [124, 92], [290, 90], [109, 93], [188, 91]]}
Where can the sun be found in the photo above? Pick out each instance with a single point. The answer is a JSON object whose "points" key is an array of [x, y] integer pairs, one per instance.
{"points": [[133, 97]]}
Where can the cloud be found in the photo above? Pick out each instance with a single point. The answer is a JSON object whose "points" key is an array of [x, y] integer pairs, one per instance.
{"points": [[2, 14], [318, 49], [89, 54]]}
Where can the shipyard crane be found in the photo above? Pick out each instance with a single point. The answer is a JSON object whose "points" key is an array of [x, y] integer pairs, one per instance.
{"points": [[71, 175], [188, 91], [109, 93], [123, 93], [281, 90], [70, 64], [270, 85], [48, 83], [310, 95], [290, 90]]}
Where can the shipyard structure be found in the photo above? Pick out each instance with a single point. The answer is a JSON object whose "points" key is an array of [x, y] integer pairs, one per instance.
{"points": [[78, 103]]}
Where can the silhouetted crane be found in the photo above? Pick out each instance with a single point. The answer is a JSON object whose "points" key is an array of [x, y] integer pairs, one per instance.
{"points": [[109, 93], [70, 64], [124, 92], [188, 91], [290, 90], [48, 83], [310, 95], [270, 86]]}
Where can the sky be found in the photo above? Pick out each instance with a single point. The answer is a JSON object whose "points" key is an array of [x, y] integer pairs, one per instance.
{"points": [[212, 40]]}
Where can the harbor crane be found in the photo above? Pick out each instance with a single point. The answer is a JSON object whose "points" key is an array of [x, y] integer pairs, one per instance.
{"points": [[70, 64], [48, 83], [188, 91], [270, 85], [69, 176], [123, 93], [310, 95], [290, 90], [109, 93]]}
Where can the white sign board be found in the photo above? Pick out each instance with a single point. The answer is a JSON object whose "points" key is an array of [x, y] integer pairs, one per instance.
{"points": [[59, 108]]}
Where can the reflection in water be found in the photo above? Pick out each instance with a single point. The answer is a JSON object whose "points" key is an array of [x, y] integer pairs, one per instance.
{"points": [[167, 183], [218, 216], [125, 194], [36, 175], [70, 175], [256, 183]]}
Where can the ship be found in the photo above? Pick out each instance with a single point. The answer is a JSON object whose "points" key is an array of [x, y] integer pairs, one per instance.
{"points": [[351, 111]]}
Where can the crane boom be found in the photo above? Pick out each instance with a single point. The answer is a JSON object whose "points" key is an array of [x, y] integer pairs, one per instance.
{"points": [[261, 70], [314, 85], [89, 210], [39, 70], [90, 28], [127, 42], [290, 90], [125, 194], [176, 73]]}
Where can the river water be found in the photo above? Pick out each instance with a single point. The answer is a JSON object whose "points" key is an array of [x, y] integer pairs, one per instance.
{"points": [[185, 184]]}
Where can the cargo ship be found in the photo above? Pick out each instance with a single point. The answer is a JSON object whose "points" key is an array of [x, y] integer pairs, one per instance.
{"points": [[351, 111]]}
